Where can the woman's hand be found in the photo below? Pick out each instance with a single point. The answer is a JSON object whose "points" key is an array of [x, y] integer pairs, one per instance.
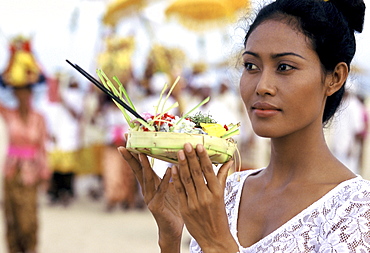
{"points": [[161, 199], [201, 197]]}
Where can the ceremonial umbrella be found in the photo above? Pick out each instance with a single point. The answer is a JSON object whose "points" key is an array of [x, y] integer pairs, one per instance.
{"points": [[239, 4], [121, 8], [201, 15]]}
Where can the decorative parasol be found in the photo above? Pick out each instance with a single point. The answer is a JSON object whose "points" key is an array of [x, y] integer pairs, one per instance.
{"points": [[201, 14], [116, 59], [237, 5], [121, 8]]}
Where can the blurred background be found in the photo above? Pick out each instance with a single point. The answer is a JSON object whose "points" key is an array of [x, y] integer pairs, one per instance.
{"points": [[92, 202]]}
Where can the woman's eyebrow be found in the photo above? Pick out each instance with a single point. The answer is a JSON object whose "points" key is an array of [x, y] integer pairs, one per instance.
{"points": [[274, 56], [286, 54], [251, 53]]}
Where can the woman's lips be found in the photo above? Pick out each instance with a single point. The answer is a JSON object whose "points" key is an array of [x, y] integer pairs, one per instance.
{"points": [[265, 110]]}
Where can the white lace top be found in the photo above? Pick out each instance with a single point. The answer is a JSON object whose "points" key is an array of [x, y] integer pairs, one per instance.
{"points": [[338, 222]]}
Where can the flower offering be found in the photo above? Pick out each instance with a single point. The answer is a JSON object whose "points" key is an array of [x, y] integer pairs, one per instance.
{"points": [[161, 135]]}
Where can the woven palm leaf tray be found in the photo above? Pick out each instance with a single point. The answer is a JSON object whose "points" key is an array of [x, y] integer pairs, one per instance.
{"points": [[165, 145]]}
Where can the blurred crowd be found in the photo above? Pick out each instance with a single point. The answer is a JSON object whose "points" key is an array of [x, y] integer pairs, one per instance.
{"points": [[84, 127]]}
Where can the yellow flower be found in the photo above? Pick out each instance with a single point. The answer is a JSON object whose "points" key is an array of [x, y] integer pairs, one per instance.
{"points": [[213, 129]]}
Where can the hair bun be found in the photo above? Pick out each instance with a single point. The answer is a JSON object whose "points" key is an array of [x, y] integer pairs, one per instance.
{"points": [[353, 11]]}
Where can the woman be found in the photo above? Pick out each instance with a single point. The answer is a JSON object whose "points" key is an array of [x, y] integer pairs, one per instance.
{"points": [[24, 169], [25, 164], [297, 58]]}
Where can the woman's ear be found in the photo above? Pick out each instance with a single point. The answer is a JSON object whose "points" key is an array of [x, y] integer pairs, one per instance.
{"points": [[337, 78]]}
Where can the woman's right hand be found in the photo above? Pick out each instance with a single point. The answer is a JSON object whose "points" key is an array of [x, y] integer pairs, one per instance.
{"points": [[161, 198]]}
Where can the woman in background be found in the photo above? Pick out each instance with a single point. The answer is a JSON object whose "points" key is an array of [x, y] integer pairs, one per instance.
{"points": [[25, 166], [24, 169]]}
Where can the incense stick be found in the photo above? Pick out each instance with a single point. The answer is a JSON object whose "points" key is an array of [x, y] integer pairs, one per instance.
{"points": [[105, 90]]}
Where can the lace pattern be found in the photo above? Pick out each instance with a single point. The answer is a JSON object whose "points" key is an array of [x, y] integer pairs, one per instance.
{"points": [[338, 222]]}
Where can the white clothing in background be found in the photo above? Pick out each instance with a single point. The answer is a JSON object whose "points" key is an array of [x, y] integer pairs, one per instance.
{"points": [[347, 123], [62, 125]]}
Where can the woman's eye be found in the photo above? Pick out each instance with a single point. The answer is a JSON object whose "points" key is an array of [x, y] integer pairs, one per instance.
{"points": [[250, 66], [285, 67]]}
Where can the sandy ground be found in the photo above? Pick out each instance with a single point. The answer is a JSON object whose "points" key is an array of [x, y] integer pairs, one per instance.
{"points": [[85, 227]]}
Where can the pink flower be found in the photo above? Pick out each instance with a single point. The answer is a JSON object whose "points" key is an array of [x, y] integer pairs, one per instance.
{"points": [[147, 115]]}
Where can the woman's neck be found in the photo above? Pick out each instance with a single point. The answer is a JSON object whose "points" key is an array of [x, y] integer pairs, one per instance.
{"points": [[24, 111], [300, 157]]}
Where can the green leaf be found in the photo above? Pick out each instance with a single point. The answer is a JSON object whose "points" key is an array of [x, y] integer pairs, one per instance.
{"points": [[160, 98], [150, 127], [230, 134], [122, 88], [170, 92], [196, 107], [109, 85]]}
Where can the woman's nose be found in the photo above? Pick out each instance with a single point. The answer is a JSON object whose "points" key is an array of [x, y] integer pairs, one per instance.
{"points": [[266, 84]]}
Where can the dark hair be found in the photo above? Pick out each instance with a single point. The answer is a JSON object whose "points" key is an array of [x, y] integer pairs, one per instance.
{"points": [[330, 26]]}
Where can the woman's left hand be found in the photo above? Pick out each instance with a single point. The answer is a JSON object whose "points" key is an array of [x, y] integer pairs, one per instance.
{"points": [[201, 199]]}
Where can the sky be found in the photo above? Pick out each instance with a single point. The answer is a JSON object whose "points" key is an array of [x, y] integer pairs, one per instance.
{"points": [[72, 29]]}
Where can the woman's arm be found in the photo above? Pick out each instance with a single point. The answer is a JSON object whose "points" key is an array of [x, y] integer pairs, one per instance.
{"points": [[3, 109], [161, 199], [45, 171]]}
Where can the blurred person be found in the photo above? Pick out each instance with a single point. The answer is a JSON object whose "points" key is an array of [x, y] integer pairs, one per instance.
{"points": [[199, 87], [363, 135], [3, 142], [93, 142], [120, 185], [346, 129], [64, 121], [296, 58], [116, 59], [25, 167], [225, 104]]}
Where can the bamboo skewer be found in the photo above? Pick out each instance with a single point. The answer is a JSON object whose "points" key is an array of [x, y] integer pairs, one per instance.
{"points": [[105, 90]]}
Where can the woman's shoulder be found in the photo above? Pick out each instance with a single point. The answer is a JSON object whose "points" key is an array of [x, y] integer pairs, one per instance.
{"points": [[243, 174], [356, 184], [236, 179], [355, 190], [4, 109], [349, 200]]}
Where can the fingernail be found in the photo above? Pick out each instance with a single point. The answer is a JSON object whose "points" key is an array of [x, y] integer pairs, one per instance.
{"points": [[173, 170], [120, 150], [200, 148], [181, 155], [188, 147]]}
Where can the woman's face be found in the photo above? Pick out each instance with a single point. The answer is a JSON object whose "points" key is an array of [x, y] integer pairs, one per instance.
{"points": [[282, 81]]}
